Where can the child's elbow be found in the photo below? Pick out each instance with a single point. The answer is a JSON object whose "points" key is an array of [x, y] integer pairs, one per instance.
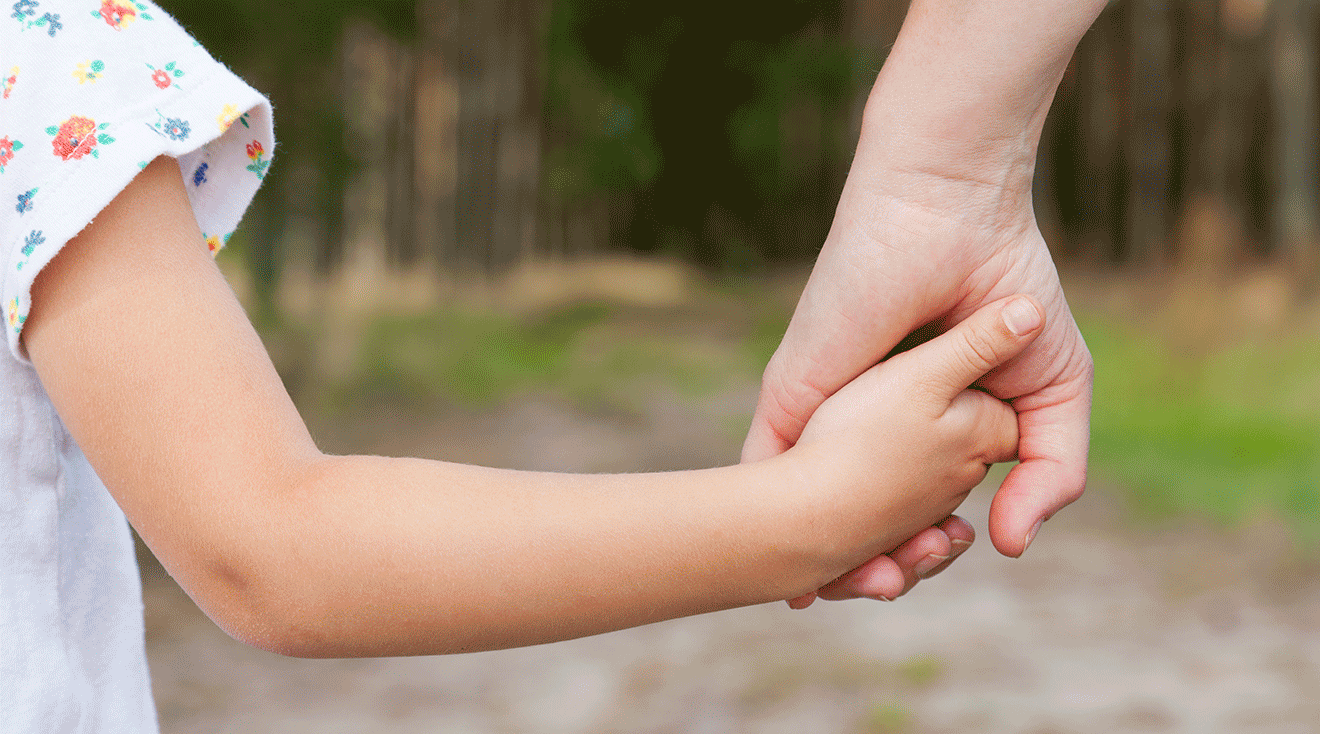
{"points": [[276, 629], [254, 605]]}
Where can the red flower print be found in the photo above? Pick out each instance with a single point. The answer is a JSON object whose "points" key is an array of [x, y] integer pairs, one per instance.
{"points": [[117, 13], [75, 138], [6, 151], [254, 149], [161, 79]]}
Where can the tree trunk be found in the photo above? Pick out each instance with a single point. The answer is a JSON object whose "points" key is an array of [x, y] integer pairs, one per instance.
{"points": [[401, 245], [1293, 80], [499, 131], [1099, 128], [1148, 144], [1210, 222]]}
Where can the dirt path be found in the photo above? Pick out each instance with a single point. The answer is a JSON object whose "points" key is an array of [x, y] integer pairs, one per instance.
{"points": [[1099, 629]]}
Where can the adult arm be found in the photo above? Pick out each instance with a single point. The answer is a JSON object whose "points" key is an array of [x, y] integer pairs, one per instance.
{"points": [[935, 220]]}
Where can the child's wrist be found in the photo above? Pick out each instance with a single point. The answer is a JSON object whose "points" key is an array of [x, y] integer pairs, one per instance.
{"points": [[827, 529]]}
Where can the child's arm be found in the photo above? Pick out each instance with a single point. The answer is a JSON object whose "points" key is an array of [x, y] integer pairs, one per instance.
{"points": [[159, 376]]}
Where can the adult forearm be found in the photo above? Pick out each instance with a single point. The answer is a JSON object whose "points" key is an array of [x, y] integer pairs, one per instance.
{"points": [[967, 87], [373, 556]]}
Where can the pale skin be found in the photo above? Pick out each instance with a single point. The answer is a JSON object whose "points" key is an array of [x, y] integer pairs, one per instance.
{"points": [[936, 221], [158, 374]]}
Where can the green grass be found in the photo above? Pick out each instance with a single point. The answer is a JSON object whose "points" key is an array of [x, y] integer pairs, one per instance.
{"points": [[1230, 433], [590, 354], [465, 357]]}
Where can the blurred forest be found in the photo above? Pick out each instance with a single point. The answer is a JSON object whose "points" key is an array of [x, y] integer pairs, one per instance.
{"points": [[471, 136], [440, 159]]}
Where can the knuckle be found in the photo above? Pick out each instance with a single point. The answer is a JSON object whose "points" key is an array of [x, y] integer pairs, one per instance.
{"points": [[980, 351]]}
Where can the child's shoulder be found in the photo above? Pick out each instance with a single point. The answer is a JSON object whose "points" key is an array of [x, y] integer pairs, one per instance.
{"points": [[92, 94]]}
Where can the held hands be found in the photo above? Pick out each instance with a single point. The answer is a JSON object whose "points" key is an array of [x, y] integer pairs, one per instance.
{"points": [[915, 244], [907, 441]]}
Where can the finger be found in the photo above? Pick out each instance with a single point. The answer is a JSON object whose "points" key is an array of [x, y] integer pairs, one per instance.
{"points": [[1052, 475], [802, 602], [987, 339], [888, 577], [920, 556], [823, 350], [992, 424], [961, 536], [764, 439], [879, 578]]}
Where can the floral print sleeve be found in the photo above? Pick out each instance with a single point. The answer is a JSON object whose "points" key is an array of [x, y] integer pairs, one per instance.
{"points": [[90, 92]]}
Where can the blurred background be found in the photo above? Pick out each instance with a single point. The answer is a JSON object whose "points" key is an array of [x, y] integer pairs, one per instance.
{"points": [[568, 234]]}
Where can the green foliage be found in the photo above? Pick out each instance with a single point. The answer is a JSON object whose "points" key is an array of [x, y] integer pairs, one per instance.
{"points": [[801, 73], [467, 358], [1230, 434], [600, 117], [595, 355]]}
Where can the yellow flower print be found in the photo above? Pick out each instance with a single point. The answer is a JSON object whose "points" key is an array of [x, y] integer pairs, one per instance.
{"points": [[214, 244], [14, 319], [89, 71], [227, 117]]}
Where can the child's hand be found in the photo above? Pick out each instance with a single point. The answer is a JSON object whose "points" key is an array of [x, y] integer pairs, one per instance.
{"points": [[907, 441]]}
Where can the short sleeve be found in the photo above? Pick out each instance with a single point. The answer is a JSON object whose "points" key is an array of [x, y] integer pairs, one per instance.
{"points": [[92, 91]]}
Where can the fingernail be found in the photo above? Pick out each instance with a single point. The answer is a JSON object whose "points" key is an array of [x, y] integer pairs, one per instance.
{"points": [[1021, 317], [928, 564], [958, 547], [1031, 535], [883, 598]]}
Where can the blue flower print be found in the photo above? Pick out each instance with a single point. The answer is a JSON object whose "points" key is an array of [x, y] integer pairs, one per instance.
{"points": [[52, 22], [33, 240], [25, 202], [177, 129], [172, 127], [24, 8], [199, 176]]}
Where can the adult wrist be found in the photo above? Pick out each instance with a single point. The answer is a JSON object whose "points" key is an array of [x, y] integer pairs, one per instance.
{"points": [[967, 87]]}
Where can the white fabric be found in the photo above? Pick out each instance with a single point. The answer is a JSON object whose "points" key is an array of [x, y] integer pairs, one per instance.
{"points": [[90, 92]]}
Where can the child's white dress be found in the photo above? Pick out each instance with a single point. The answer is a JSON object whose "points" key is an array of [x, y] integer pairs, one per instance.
{"points": [[90, 92]]}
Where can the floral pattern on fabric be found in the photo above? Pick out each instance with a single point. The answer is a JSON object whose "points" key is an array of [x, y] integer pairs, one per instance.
{"points": [[26, 9], [7, 150], [25, 202], [229, 115], [34, 240], [164, 77], [118, 14], [78, 136], [89, 71], [215, 243], [14, 317], [255, 154], [171, 127], [10, 81]]}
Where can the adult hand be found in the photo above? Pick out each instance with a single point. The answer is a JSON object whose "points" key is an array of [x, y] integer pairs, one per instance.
{"points": [[936, 220], [909, 249]]}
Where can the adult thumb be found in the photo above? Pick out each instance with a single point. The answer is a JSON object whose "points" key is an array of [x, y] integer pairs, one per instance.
{"points": [[990, 337]]}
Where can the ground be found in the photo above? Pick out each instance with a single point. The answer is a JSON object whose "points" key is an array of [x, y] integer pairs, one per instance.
{"points": [[1101, 628], [1109, 624]]}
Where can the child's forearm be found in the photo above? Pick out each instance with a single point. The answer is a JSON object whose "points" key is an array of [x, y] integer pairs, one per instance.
{"points": [[374, 556]]}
